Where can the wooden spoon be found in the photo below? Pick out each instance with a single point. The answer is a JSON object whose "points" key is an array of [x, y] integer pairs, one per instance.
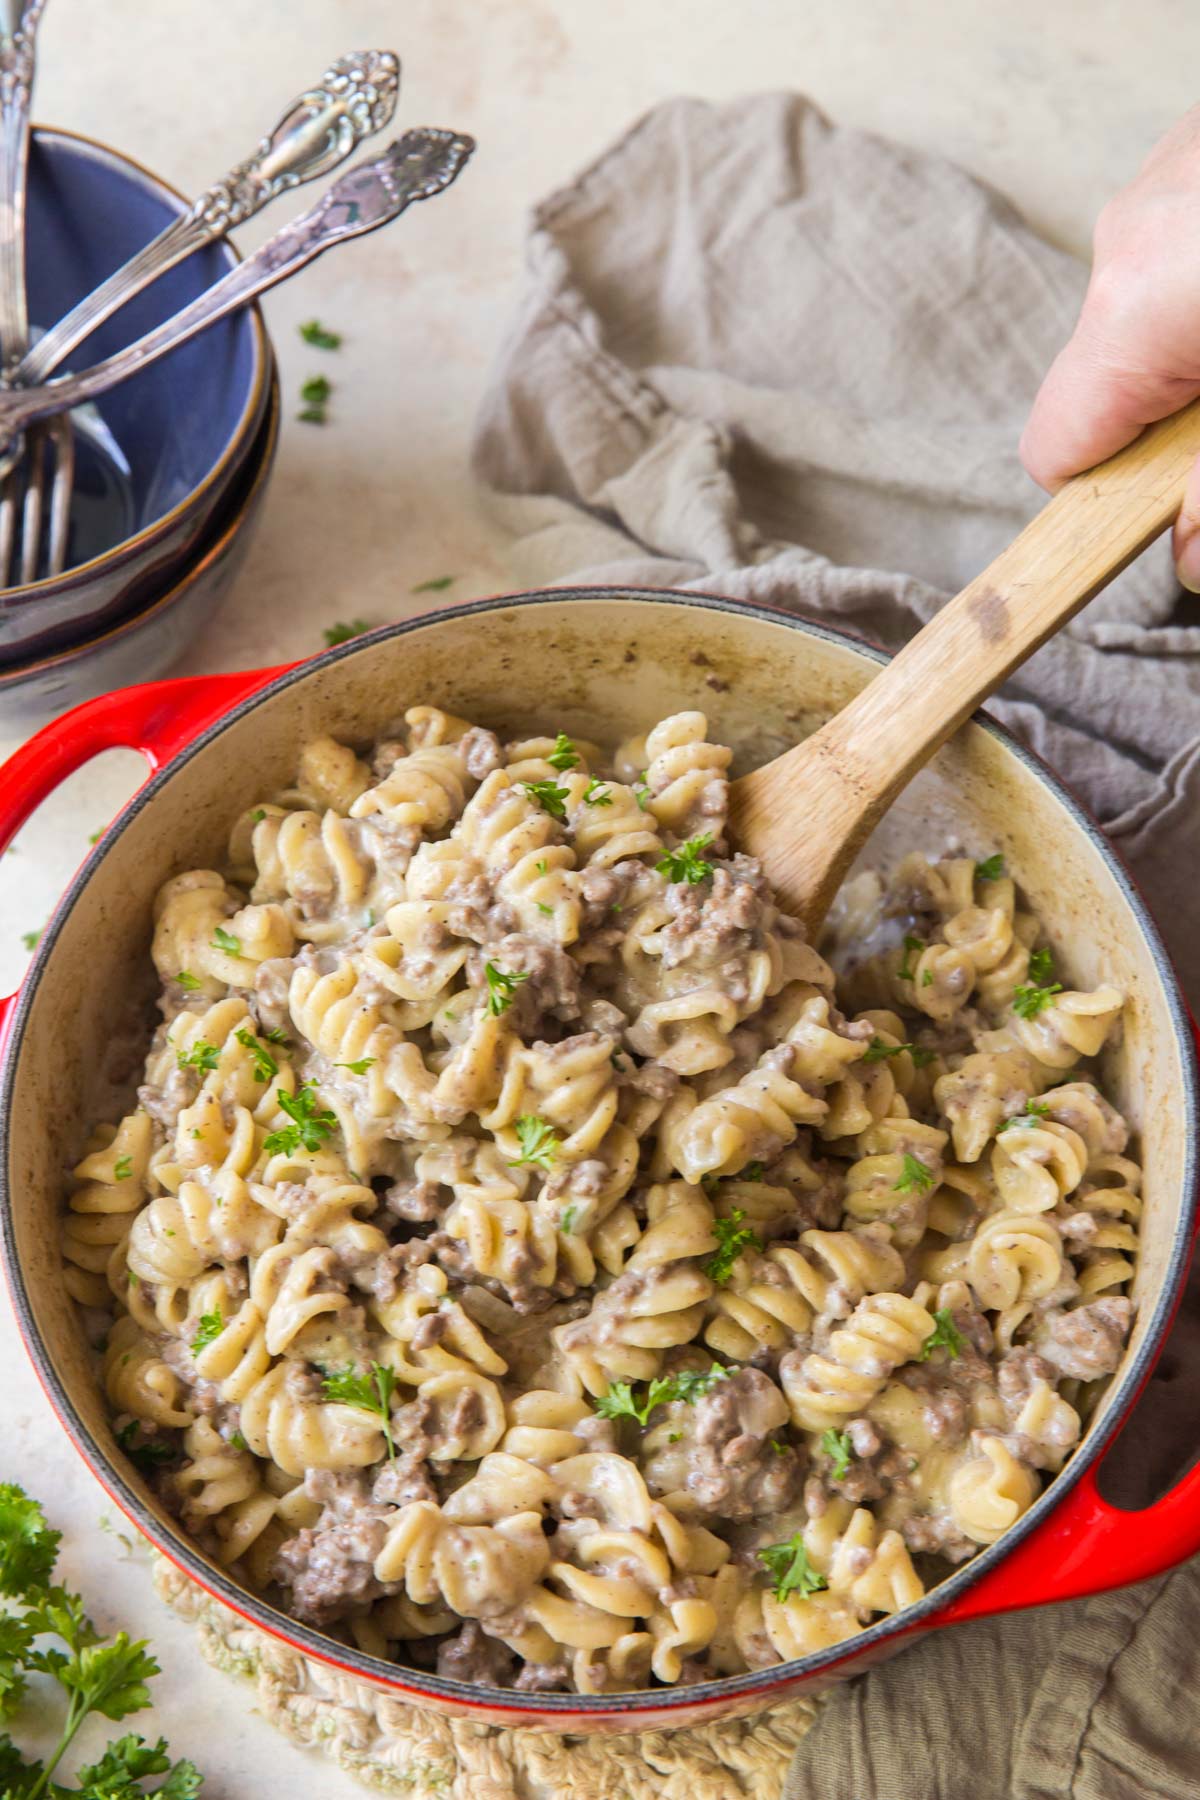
{"points": [[808, 813]]}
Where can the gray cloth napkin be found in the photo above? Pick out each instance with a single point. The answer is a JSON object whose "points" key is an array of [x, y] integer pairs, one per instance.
{"points": [[765, 355]]}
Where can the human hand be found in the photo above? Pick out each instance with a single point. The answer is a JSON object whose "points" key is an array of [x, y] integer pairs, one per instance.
{"points": [[1134, 355]]}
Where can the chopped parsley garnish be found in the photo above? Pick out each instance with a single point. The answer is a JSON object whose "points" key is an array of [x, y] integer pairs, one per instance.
{"points": [[358, 1068], [148, 1456], [564, 754], [502, 986], [567, 1223], [315, 394], [879, 1051], [688, 1385], [596, 794], [200, 1055], [540, 865], [437, 584], [277, 1035], [95, 836], [944, 1336], [343, 631], [31, 939], [549, 796], [914, 1175], [543, 908], [314, 333], [225, 940], [258, 815], [927, 978], [753, 1171], [1041, 962], [779, 1448], [238, 1441], [732, 1238], [539, 1143], [123, 1168], [990, 869], [188, 982], [1034, 1110], [1029, 1000], [373, 1393], [212, 1324], [912, 947], [265, 1066], [685, 863], [790, 1570], [310, 1126], [837, 1446], [641, 791]]}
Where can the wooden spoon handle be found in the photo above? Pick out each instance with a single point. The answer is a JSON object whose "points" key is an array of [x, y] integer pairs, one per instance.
{"points": [[838, 783]]}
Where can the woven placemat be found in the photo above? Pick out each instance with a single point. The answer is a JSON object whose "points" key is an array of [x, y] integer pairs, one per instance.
{"points": [[397, 1749]]}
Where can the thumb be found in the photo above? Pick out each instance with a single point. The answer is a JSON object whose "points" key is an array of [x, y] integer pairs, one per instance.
{"points": [[1186, 542], [1092, 404]]}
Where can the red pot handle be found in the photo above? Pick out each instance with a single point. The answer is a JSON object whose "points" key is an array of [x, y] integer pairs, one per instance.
{"points": [[157, 719]]}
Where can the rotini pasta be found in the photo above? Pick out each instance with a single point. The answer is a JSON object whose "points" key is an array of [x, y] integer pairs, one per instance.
{"points": [[527, 1253]]}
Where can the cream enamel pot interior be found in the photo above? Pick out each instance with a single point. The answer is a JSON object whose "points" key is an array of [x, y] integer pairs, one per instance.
{"points": [[599, 662]]}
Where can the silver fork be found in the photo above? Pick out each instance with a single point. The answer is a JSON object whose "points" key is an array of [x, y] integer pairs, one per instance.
{"points": [[318, 130], [18, 40], [417, 166]]}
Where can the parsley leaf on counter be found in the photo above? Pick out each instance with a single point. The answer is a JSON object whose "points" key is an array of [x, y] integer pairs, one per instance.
{"points": [[437, 585], [31, 939], [314, 333], [343, 631], [315, 394], [97, 1675]]}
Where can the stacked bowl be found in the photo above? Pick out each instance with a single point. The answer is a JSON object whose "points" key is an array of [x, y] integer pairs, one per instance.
{"points": [[171, 466]]}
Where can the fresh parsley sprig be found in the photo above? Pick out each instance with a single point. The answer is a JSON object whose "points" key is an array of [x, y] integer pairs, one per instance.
{"points": [[1034, 1110], [502, 987], [360, 1067], [311, 1124], [212, 1324], [564, 754], [732, 1239], [314, 333], [265, 1066], [944, 1336], [372, 1392], [839, 1449], [199, 1055], [915, 1176], [343, 631], [226, 941], [685, 862], [596, 794], [315, 394], [549, 796], [878, 1051], [1030, 999], [991, 868], [105, 1676], [539, 1143], [790, 1570], [620, 1402]]}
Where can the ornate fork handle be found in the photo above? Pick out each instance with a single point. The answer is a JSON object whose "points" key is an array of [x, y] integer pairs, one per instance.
{"points": [[17, 48], [419, 165], [355, 98]]}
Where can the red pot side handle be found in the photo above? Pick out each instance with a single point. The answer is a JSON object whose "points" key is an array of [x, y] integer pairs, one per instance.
{"points": [[157, 719], [1087, 1546]]}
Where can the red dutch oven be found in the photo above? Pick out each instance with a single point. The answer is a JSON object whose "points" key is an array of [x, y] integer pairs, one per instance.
{"points": [[598, 662]]}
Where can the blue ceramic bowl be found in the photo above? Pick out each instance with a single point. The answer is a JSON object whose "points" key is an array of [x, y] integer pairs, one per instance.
{"points": [[142, 646], [172, 439]]}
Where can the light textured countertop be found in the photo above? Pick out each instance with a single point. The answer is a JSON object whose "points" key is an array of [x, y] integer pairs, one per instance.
{"points": [[1054, 103]]}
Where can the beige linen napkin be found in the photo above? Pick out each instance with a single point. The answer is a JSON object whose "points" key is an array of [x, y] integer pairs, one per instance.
{"points": [[767, 356]]}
